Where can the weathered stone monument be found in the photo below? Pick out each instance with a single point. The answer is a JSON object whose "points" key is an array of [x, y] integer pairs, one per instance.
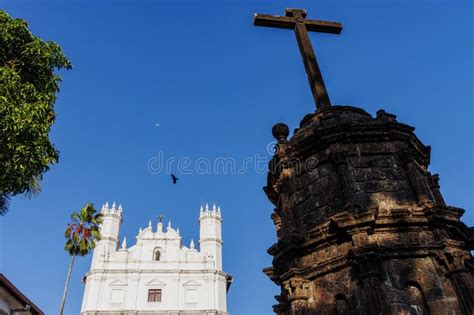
{"points": [[361, 223]]}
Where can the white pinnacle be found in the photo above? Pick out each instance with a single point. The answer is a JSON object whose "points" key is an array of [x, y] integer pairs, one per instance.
{"points": [[159, 227], [191, 245], [124, 243]]}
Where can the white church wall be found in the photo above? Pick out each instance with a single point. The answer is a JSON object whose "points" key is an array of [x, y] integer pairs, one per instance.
{"points": [[122, 279]]}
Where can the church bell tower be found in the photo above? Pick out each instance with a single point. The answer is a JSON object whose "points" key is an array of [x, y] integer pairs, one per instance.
{"points": [[109, 231], [210, 233]]}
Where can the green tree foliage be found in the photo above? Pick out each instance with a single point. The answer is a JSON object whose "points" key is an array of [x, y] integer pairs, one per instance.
{"points": [[83, 231], [28, 87], [81, 234]]}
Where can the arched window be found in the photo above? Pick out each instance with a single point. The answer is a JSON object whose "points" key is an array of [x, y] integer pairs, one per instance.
{"points": [[341, 304], [157, 254], [416, 299]]}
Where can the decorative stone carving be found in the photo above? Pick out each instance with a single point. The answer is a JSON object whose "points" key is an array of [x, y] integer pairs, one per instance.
{"points": [[297, 289]]}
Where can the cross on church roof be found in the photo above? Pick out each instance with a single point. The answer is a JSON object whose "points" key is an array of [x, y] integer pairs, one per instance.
{"points": [[296, 19], [160, 218]]}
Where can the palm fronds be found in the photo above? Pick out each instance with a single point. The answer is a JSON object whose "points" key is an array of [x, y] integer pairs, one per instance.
{"points": [[83, 231], [34, 188], [4, 204]]}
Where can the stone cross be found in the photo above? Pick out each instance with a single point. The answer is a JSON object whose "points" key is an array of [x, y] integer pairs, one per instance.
{"points": [[296, 19]]}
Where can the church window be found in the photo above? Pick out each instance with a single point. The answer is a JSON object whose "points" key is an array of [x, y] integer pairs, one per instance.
{"points": [[116, 298], [154, 295], [341, 304], [191, 296], [157, 255]]}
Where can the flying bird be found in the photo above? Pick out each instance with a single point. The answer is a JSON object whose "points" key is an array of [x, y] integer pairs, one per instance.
{"points": [[175, 179]]}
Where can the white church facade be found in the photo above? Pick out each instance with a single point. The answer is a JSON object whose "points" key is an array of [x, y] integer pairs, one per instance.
{"points": [[157, 275]]}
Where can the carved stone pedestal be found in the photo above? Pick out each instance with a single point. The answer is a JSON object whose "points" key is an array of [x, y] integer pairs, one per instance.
{"points": [[362, 227]]}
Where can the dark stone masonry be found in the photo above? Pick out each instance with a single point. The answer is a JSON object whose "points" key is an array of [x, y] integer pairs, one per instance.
{"points": [[361, 224]]}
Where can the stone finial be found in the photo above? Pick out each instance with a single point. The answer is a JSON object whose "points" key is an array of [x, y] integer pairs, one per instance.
{"points": [[140, 230], [280, 131], [107, 204], [169, 225], [201, 211], [120, 207], [124, 243], [219, 212], [113, 205], [149, 223], [160, 227], [435, 180], [191, 245], [384, 116], [214, 207], [177, 231], [207, 208]]}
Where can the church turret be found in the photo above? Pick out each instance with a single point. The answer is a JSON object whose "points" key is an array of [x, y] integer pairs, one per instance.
{"points": [[109, 230], [210, 233]]}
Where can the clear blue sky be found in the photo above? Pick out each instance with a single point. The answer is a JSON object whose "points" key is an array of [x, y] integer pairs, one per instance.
{"points": [[216, 85]]}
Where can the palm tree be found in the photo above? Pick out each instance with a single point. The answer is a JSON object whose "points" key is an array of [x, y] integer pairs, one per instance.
{"points": [[81, 234], [33, 189], [4, 204]]}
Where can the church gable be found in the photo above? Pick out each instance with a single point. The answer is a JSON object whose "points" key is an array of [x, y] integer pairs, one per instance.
{"points": [[146, 233]]}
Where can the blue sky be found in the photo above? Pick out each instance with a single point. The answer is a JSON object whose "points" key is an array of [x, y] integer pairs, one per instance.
{"points": [[216, 85]]}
